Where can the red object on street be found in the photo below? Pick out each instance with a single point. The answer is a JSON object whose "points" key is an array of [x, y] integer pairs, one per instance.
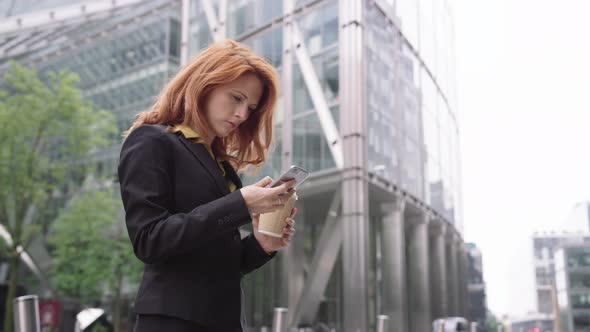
{"points": [[49, 313]]}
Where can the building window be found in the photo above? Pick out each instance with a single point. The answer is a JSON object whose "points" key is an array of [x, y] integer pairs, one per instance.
{"points": [[578, 259], [579, 280], [580, 301], [581, 322]]}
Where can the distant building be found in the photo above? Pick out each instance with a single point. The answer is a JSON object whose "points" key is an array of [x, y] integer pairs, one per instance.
{"points": [[476, 287], [572, 279], [545, 244], [578, 219], [531, 323], [575, 231]]}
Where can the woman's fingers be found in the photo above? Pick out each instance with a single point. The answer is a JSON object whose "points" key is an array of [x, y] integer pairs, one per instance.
{"points": [[290, 222], [283, 188], [290, 228], [274, 203], [278, 201], [286, 196], [282, 199], [264, 182]]}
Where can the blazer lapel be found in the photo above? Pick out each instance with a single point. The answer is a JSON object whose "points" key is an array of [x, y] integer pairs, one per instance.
{"points": [[201, 153], [233, 176]]}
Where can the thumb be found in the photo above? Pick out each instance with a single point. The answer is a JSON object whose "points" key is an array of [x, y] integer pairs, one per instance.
{"points": [[264, 182]]}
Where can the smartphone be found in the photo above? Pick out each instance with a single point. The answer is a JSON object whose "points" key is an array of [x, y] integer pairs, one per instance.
{"points": [[294, 172]]}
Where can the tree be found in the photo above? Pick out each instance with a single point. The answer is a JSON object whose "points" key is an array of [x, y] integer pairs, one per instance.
{"points": [[92, 250], [48, 131], [492, 322]]}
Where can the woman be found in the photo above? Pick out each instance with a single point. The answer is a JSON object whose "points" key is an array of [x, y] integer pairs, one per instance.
{"points": [[184, 201]]}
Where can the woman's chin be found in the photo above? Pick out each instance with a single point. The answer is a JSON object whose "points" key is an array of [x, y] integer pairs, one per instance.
{"points": [[224, 134]]}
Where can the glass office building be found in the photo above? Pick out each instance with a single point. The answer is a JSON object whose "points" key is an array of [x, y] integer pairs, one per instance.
{"points": [[572, 280], [545, 246], [477, 307], [368, 105]]}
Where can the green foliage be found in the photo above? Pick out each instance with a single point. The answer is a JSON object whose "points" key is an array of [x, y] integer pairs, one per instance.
{"points": [[92, 250], [99, 328], [47, 132], [491, 322]]}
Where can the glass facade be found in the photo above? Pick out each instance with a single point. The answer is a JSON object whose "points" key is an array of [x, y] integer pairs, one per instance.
{"points": [[572, 280], [124, 72], [412, 124], [9, 8], [121, 71], [579, 258], [385, 129], [581, 322], [477, 301]]}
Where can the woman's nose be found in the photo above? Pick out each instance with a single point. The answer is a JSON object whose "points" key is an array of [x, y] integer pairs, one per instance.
{"points": [[242, 112]]}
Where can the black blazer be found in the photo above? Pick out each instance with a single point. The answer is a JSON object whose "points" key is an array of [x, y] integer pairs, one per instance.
{"points": [[183, 223]]}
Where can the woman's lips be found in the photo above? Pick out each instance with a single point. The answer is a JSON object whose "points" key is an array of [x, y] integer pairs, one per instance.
{"points": [[233, 126]]}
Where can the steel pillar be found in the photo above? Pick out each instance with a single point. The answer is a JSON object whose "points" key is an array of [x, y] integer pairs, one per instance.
{"points": [[418, 274], [438, 269], [453, 275], [394, 265], [354, 182]]}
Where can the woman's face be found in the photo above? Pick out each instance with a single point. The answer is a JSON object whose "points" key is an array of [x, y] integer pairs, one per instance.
{"points": [[231, 104]]}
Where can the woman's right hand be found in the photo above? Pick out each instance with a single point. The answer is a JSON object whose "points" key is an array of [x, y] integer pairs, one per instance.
{"points": [[263, 200]]}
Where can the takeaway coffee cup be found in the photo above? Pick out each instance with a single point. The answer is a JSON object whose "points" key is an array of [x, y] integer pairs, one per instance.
{"points": [[272, 223]]}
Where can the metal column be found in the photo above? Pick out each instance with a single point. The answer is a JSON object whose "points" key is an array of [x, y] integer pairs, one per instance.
{"points": [[394, 265], [293, 256], [354, 182], [462, 280], [216, 22], [418, 274], [438, 269], [452, 274], [287, 86], [184, 31], [292, 274]]}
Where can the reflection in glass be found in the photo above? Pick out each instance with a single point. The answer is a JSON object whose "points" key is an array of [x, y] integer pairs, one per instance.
{"points": [[581, 321], [383, 102], [310, 149], [408, 12], [579, 280], [320, 28], [580, 301], [578, 259]]}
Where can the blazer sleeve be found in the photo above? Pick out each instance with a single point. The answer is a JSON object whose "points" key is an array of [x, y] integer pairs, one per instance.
{"points": [[146, 189], [253, 256]]}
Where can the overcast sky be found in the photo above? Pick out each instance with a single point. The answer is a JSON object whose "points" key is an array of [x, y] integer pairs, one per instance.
{"points": [[524, 112]]}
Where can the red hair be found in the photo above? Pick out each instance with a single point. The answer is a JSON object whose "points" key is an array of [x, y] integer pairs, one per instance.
{"points": [[183, 100]]}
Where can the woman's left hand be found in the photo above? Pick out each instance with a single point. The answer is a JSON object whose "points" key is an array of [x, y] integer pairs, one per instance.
{"points": [[271, 243]]}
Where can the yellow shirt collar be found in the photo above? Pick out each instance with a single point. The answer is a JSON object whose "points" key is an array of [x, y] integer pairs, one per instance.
{"points": [[187, 131]]}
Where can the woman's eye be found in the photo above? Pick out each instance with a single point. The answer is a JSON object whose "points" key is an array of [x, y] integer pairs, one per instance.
{"points": [[252, 110], [237, 99]]}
